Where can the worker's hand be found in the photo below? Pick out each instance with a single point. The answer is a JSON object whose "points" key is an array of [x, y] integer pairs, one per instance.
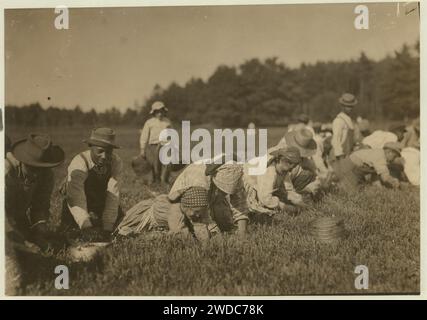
{"points": [[395, 183], [94, 220], [313, 187], [295, 198], [142, 154]]}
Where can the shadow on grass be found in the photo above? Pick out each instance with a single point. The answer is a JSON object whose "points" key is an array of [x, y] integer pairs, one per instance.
{"points": [[38, 270]]}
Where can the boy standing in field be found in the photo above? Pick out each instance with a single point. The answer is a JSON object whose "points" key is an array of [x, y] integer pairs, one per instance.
{"points": [[150, 141], [91, 189]]}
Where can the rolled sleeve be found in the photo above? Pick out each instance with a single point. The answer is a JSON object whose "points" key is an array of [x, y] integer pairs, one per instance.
{"points": [[238, 205], [75, 194], [112, 199]]}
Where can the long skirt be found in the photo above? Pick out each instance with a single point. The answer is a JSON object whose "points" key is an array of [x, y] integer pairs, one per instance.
{"points": [[146, 215]]}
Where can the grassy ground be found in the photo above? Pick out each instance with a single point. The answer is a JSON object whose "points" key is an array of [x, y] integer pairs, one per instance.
{"points": [[278, 259]]}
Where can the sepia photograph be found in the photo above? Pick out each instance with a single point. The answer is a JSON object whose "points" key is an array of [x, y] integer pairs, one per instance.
{"points": [[212, 150]]}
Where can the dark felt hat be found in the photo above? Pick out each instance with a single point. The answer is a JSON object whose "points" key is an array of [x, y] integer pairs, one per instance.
{"points": [[102, 137], [38, 151]]}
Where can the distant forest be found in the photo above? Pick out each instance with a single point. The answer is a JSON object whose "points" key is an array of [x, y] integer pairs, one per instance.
{"points": [[264, 92]]}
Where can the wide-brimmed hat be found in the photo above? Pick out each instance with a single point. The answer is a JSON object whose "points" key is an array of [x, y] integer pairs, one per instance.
{"points": [[102, 137], [348, 100], [38, 151], [290, 153], [303, 140], [158, 105], [395, 146]]}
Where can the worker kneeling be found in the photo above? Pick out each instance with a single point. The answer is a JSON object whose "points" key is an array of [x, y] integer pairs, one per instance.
{"points": [[187, 216], [355, 168], [91, 190]]}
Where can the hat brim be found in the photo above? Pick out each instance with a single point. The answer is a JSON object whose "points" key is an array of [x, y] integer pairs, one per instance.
{"points": [[99, 143], [305, 152], [347, 104], [164, 108], [56, 157]]}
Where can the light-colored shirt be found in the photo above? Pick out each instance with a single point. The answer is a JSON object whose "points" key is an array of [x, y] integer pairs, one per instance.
{"points": [[265, 185], [411, 157], [150, 133], [318, 156], [269, 182], [76, 198], [343, 134], [374, 158], [379, 138]]}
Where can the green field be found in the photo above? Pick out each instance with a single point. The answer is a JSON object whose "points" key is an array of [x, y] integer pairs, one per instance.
{"points": [[278, 259]]}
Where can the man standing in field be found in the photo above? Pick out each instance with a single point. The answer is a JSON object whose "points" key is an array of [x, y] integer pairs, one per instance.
{"points": [[150, 141], [343, 128], [91, 189], [29, 182]]}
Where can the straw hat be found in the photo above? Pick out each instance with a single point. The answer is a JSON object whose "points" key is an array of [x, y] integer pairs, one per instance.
{"points": [[348, 100], [38, 151], [303, 140], [327, 229]]}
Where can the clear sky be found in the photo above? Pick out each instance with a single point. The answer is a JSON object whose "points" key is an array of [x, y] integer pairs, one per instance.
{"points": [[115, 56]]}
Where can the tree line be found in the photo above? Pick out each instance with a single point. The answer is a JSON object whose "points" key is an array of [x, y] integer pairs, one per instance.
{"points": [[264, 92]]}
